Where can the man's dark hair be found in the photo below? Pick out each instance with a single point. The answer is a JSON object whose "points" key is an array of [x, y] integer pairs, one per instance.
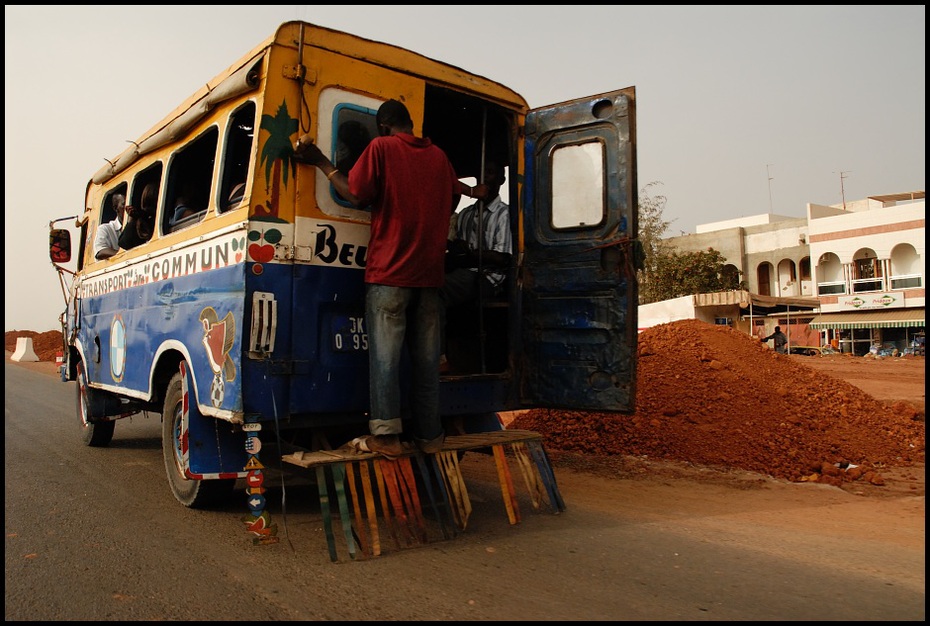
{"points": [[149, 198], [393, 113]]}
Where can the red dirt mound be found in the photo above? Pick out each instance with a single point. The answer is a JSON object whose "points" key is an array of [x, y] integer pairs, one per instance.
{"points": [[714, 396]]}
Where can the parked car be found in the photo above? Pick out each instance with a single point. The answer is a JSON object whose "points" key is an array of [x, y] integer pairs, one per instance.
{"points": [[811, 350]]}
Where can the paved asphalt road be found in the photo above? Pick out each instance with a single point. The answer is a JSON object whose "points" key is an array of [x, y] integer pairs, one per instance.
{"points": [[95, 534]]}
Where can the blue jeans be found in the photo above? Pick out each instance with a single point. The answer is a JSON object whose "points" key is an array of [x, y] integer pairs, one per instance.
{"points": [[398, 317]]}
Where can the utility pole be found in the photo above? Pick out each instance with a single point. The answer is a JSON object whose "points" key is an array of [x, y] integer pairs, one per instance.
{"points": [[843, 188], [767, 166]]}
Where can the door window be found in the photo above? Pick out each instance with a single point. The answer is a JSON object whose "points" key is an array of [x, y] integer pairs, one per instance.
{"points": [[578, 185]]}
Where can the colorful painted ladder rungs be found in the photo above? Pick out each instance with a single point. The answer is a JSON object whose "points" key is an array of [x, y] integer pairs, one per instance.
{"points": [[342, 476]]}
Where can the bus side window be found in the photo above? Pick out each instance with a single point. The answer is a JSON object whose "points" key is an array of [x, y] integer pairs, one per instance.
{"points": [[237, 156], [190, 176], [351, 139], [140, 214], [111, 200]]}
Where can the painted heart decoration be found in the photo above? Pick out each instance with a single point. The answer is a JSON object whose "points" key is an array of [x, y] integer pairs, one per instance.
{"points": [[261, 253]]}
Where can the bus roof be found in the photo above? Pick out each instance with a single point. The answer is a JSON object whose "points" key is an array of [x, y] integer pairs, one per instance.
{"points": [[242, 76], [401, 59]]}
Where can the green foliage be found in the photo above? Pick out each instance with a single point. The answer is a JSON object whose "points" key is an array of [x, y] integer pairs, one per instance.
{"points": [[684, 274], [652, 227], [667, 274]]}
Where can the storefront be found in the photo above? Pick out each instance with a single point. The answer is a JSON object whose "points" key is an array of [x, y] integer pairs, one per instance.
{"points": [[855, 332]]}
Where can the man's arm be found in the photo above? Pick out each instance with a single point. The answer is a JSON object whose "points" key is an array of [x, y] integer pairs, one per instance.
{"points": [[102, 243], [105, 253], [305, 151]]}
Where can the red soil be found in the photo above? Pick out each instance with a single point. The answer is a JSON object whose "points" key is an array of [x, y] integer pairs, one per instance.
{"points": [[714, 396]]}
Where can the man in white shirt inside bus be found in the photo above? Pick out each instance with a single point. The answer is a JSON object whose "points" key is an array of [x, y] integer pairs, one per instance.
{"points": [[463, 280], [106, 243]]}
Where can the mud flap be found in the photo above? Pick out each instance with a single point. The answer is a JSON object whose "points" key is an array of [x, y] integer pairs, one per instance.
{"points": [[216, 448]]}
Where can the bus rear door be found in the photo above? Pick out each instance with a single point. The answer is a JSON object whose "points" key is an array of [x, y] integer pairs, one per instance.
{"points": [[579, 282]]}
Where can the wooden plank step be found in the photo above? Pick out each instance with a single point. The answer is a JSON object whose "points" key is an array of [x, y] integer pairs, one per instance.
{"points": [[307, 458]]}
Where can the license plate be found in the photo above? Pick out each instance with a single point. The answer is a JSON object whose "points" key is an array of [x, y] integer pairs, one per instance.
{"points": [[349, 334]]}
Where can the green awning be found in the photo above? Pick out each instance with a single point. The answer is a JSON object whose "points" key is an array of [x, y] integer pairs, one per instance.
{"points": [[896, 318]]}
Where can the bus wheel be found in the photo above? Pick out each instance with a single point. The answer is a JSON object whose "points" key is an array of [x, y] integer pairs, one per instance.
{"points": [[193, 493], [94, 434]]}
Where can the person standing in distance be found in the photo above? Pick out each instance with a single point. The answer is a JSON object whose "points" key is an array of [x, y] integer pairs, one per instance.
{"points": [[780, 340], [412, 188]]}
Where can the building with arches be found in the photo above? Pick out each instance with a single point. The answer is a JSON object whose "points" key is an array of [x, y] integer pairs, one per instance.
{"points": [[864, 261]]}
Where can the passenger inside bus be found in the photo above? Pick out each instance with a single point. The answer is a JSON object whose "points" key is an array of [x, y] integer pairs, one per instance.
{"points": [[186, 204], [182, 209], [106, 243], [140, 221], [353, 139], [235, 196], [465, 280]]}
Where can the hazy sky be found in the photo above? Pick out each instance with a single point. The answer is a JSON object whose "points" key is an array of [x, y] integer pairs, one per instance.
{"points": [[721, 93]]}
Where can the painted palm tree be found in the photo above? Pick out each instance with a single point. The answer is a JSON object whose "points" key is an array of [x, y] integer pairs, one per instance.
{"points": [[277, 151]]}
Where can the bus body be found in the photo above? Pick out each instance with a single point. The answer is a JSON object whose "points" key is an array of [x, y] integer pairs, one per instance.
{"points": [[246, 313]]}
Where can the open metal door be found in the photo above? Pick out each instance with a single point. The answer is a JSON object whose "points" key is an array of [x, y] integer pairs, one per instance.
{"points": [[579, 289]]}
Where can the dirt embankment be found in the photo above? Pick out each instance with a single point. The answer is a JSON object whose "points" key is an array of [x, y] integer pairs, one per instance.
{"points": [[46, 345], [713, 396]]}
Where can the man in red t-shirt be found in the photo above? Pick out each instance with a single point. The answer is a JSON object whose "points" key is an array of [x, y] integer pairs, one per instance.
{"points": [[412, 190]]}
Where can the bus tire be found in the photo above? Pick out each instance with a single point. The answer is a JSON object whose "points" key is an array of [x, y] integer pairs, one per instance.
{"points": [[94, 434], [192, 493]]}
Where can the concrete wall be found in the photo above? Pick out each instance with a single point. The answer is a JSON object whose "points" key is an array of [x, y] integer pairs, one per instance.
{"points": [[684, 308]]}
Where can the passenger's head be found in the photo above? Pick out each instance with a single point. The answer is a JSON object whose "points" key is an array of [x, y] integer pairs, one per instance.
{"points": [[119, 205], [778, 329], [354, 135], [149, 198], [493, 173], [393, 115]]}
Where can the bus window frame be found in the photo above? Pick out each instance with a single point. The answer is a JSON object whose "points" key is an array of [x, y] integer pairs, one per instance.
{"points": [[107, 212], [228, 177], [153, 173], [352, 112], [331, 101], [141, 179], [176, 181]]}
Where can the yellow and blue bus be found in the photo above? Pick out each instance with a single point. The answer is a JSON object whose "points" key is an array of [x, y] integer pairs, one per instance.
{"points": [[243, 311]]}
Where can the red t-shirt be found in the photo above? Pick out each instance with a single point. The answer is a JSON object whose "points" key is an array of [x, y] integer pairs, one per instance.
{"points": [[409, 183]]}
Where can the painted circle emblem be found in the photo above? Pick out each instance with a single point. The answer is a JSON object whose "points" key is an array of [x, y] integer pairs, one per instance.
{"points": [[256, 502], [253, 445], [255, 478], [117, 348]]}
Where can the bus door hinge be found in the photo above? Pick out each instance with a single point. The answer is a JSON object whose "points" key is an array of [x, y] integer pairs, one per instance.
{"points": [[300, 72], [284, 252]]}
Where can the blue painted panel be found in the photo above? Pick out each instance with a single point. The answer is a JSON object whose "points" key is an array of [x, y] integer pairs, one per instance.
{"points": [[580, 297], [125, 327]]}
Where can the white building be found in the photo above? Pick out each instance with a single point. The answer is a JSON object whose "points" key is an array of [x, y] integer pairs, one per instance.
{"points": [[868, 271]]}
